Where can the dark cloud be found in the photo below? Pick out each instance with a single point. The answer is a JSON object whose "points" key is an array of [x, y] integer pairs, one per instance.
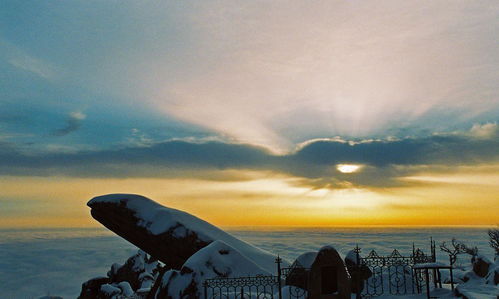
{"points": [[385, 161], [73, 123], [437, 149], [164, 159]]}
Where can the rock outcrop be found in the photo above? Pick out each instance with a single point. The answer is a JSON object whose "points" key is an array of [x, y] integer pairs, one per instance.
{"points": [[169, 235], [173, 245]]}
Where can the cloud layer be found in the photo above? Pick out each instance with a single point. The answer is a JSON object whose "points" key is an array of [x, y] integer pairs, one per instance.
{"points": [[384, 161]]}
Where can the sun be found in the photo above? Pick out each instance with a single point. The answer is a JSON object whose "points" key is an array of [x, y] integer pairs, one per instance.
{"points": [[348, 168]]}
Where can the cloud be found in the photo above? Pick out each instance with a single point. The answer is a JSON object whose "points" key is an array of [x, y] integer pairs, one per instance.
{"points": [[384, 162], [283, 74], [19, 59], [270, 73], [73, 123], [484, 131]]}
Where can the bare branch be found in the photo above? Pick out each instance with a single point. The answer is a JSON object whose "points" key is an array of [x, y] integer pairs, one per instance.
{"points": [[455, 249], [494, 239]]}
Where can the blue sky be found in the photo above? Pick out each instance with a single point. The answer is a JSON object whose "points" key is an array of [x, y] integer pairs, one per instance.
{"points": [[190, 90], [255, 73]]}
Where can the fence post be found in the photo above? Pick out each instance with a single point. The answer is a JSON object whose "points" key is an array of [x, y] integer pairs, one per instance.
{"points": [[278, 262], [205, 284], [451, 274], [413, 253], [434, 251], [360, 283], [427, 280]]}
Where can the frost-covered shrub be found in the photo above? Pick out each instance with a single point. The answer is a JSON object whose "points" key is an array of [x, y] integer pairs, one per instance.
{"points": [[494, 239]]}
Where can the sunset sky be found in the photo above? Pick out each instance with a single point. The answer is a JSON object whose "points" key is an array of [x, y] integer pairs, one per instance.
{"points": [[323, 113]]}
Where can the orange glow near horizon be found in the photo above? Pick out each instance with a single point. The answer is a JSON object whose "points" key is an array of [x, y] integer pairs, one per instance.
{"points": [[267, 201]]}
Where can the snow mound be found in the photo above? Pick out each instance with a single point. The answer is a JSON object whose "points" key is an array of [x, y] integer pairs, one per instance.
{"points": [[215, 260], [477, 290], [220, 260]]}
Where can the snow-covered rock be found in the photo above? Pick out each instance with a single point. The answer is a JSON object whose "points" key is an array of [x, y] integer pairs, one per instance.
{"points": [[91, 288], [215, 260], [300, 269], [481, 265], [358, 274], [109, 290], [170, 235], [351, 258], [138, 273], [477, 283], [126, 289], [493, 275], [328, 257], [306, 259]]}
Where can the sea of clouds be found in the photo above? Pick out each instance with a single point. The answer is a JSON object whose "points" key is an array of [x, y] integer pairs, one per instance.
{"points": [[37, 262]]}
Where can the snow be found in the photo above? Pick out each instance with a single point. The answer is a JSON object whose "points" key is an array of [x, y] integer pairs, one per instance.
{"points": [[430, 265], [126, 289], [288, 292], [475, 290], [494, 267], [158, 219], [484, 258], [110, 290], [307, 259], [352, 257], [218, 259], [436, 293]]}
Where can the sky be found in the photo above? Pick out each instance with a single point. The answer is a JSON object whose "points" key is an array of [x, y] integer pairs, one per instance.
{"points": [[273, 113]]}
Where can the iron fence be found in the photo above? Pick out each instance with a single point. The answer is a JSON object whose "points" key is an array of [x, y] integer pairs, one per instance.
{"points": [[393, 274]]}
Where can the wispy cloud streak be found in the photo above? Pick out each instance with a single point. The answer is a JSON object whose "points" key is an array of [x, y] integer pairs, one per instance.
{"points": [[73, 123]]}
